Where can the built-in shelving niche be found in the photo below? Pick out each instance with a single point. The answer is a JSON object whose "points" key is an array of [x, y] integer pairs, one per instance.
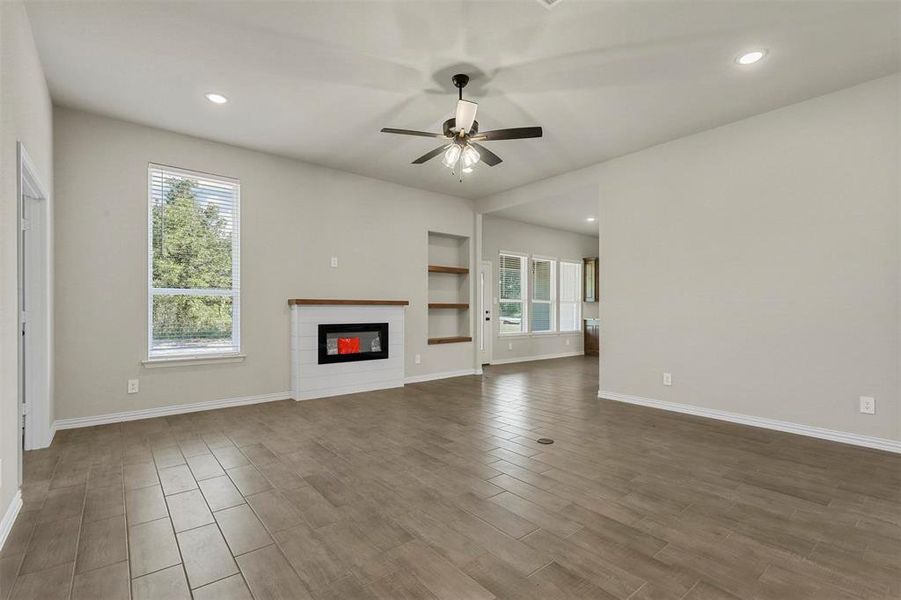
{"points": [[449, 289]]}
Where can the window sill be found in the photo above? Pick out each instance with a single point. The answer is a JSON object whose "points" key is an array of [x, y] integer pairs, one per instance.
{"points": [[186, 361], [538, 334]]}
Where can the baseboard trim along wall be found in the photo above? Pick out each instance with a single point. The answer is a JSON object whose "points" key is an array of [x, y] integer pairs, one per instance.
{"points": [[518, 359], [331, 392], [443, 375], [785, 426], [165, 411], [9, 518]]}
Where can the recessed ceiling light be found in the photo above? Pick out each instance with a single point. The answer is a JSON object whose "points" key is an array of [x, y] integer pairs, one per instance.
{"points": [[590, 219], [216, 98], [749, 58]]}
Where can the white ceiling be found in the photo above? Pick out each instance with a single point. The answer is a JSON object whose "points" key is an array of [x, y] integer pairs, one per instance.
{"points": [[317, 80], [567, 210]]}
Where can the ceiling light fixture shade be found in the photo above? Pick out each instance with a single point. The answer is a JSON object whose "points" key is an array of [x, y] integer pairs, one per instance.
{"points": [[466, 114], [216, 98], [749, 58], [451, 156], [470, 157]]}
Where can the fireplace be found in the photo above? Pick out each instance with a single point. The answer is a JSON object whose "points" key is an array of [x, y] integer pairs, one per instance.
{"points": [[351, 342]]}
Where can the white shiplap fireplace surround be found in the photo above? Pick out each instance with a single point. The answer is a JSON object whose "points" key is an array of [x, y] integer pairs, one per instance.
{"points": [[309, 379]]}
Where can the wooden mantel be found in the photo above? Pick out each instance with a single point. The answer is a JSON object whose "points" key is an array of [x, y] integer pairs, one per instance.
{"points": [[324, 301]]}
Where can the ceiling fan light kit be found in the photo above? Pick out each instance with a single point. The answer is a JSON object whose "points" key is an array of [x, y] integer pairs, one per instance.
{"points": [[462, 153]]}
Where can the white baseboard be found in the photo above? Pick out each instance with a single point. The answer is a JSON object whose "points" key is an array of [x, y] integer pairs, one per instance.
{"points": [[165, 411], [343, 390], [443, 375], [51, 434], [9, 518], [786, 426], [518, 359]]}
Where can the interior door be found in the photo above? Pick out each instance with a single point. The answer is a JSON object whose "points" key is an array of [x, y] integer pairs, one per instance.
{"points": [[25, 207], [486, 333]]}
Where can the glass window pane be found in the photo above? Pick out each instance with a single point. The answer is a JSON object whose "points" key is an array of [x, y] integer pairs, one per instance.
{"points": [[192, 232], [541, 274], [569, 317], [510, 317], [541, 317], [569, 281], [511, 277], [191, 324]]}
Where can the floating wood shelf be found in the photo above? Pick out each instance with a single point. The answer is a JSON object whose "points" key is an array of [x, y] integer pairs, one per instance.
{"points": [[457, 305], [326, 301], [449, 340], [443, 269]]}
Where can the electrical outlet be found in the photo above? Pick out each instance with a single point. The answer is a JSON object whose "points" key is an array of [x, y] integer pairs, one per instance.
{"points": [[868, 405], [417, 359], [334, 262], [667, 379], [510, 346], [133, 386]]}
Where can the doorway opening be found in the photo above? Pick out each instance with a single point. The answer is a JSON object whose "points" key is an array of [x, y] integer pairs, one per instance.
{"points": [[34, 308]]}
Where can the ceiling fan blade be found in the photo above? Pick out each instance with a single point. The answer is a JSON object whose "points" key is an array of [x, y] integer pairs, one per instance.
{"points": [[517, 133], [466, 114], [488, 157], [412, 132], [429, 155]]}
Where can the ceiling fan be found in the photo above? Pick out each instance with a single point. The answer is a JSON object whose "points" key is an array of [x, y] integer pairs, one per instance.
{"points": [[461, 150]]}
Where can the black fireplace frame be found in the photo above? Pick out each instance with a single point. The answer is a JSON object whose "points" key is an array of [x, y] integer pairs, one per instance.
{"points": [[327, 328]]}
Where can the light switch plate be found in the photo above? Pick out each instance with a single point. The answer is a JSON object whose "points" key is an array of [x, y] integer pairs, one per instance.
{"points": [[667, 379], [334, 262]]}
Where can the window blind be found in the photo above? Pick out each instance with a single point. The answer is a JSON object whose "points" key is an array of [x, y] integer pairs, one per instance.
{"points": [[194, 254], [543, 291], [570, 296], [513, 283]]}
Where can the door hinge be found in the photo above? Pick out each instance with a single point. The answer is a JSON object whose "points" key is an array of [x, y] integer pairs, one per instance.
{"points": [[26, 224]]}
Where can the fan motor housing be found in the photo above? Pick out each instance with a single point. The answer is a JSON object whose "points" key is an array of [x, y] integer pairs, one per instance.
{"points": [[450, 125]]}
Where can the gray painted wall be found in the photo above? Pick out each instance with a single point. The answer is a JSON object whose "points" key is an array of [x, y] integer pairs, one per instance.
{"points": [[295, 216], [25, 116], [758, 263]]}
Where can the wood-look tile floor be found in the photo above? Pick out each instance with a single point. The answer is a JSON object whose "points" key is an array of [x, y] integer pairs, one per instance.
{"points": [[439, 490]]}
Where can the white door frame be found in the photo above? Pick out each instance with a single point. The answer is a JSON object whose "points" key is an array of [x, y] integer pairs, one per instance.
{"points": [[486, 316], [34, 259]]}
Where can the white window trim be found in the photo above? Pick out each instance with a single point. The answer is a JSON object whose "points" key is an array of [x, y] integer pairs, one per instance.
{"points": [[201, 357], [579, 296], [192, 359], [524, 299], [553, 301]]}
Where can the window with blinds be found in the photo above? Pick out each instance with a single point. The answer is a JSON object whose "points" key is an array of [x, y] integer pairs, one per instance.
{"points": [[570, 296], [543, 295], [513, 285], [194, 254]]}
